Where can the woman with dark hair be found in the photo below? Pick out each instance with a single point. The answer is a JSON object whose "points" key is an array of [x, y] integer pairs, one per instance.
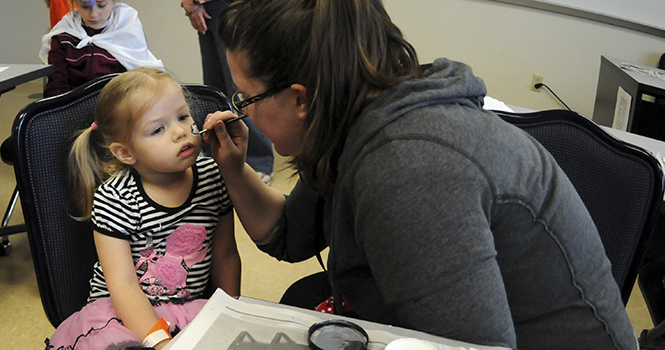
{"points": [[439, 216]]}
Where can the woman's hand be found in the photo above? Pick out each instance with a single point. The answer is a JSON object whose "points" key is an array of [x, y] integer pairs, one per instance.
{"points": [[259, 207], [227, 142]]}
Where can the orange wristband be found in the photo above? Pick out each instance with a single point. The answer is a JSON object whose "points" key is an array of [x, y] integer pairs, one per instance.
{"points": [[158, 332]]}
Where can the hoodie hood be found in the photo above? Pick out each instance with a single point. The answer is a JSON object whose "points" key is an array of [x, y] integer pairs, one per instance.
{"points": [[445, 82]]}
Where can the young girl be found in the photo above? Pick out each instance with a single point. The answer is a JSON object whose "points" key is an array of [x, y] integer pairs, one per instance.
{"points": [[99, 38], [161, 216]]}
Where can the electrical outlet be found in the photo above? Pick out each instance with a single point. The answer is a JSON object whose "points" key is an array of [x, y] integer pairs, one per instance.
{"points": [[536, 79]]}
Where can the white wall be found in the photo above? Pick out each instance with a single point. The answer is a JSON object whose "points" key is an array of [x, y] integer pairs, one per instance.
{"points": [[22, 24], [505, 44], [171, 37]]}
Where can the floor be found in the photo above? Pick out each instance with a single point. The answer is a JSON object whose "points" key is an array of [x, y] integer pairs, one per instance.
{"points": [[22, 319]]}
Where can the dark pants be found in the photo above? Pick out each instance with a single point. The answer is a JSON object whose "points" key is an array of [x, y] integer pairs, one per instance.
{"points": [[216, 73]]}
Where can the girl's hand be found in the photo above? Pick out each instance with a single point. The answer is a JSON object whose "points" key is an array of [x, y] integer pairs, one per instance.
{"points": [[227, 142]]}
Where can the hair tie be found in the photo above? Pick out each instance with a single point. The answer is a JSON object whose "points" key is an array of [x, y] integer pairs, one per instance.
{"points": [[93, 125]]}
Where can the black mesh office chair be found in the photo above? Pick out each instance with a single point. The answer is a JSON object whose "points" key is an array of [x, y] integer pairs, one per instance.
{"points": [[62, 248], [7, 152], [620, 184]]}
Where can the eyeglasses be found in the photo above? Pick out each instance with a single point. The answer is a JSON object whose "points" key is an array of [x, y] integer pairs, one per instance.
{"points": [[239, 102]]}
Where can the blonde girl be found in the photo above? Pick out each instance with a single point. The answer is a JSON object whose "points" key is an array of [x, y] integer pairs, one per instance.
{"points": [[162, 219]]}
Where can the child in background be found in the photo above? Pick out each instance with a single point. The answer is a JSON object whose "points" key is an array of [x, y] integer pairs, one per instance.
{"points": [[98, 38], [162, 218]]}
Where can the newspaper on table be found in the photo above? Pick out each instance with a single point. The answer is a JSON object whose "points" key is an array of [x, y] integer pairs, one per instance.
{"points": [[228, 323]]}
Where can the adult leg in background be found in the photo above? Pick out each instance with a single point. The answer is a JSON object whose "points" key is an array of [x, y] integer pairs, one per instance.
{"points": [[216, 73]]}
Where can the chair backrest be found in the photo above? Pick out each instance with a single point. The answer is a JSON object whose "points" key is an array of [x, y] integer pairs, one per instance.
{"points": [[62, 248], [620, 184]]}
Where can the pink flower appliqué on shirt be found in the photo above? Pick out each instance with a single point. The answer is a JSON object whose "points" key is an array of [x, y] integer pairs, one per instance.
{"points": [[184, 249]]}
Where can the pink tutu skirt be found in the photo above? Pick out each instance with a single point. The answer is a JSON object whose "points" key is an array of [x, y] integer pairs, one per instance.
{"points": [[97, 327]]}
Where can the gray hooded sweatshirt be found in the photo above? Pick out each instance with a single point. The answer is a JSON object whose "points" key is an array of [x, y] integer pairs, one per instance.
{"points": [[447, 220]]}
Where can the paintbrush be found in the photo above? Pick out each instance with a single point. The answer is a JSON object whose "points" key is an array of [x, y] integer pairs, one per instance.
{"points": [[196, 131]]}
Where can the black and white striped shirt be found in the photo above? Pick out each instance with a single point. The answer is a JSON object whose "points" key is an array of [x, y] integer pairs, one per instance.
{"points": [[173, 269]]}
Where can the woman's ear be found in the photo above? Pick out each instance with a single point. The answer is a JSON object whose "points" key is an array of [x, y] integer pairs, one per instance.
{"points": [[302, 103], [122, 153]]}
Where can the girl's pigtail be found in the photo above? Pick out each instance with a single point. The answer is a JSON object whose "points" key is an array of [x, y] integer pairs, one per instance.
{"points": [[85, 171]]}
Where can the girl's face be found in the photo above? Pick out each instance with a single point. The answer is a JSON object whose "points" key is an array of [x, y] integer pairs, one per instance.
{"points": [[278, 116], [95, 14], [162, 141]]}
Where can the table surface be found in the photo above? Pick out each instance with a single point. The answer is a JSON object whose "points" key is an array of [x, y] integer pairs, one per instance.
{"points": [[651, 145], [223, 321], [17, 74]]}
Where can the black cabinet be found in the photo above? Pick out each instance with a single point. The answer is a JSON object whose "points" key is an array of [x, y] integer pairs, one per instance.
{"points": [[646, 88]]}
